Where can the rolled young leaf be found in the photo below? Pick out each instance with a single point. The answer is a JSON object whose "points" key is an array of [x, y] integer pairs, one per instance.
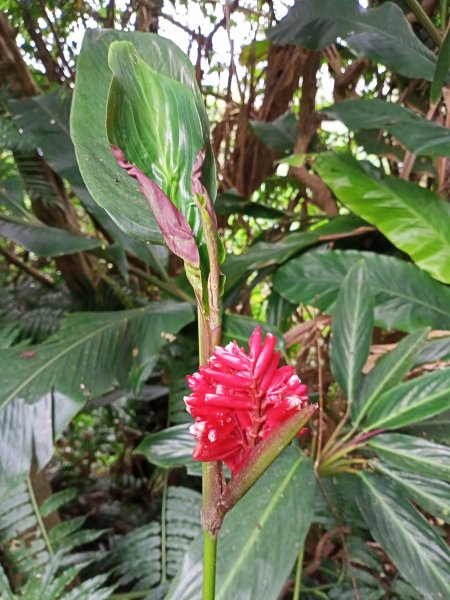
{"points": [[156, 134]]}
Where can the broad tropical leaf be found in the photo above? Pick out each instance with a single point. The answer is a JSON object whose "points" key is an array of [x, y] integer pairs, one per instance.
{"points": [[169, 448], [408, 539], [44, 240], [352, 330], [44, 123], [270, 254], [431, 494], [396, 208], [46, 385], [109, 185], [406, 298], [411, 402], [280, 135], [388, 372], [383, 34], [417, 134], [257, 537], [413, 454]]}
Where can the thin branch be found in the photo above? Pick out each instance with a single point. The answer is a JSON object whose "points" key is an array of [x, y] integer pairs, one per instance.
{"points": [[28, 269]]}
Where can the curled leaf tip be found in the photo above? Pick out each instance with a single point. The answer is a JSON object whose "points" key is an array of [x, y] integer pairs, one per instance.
{"points": [[173, 225]]}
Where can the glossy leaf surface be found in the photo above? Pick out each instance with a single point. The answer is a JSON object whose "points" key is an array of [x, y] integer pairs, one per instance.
{"points": [[46, 385], [406, 298], [396, 208], [419, 135], [431, 494], [256, 536], [154, 121], [383, 34], [44, 240], [279, 135], [411, 402], [110, 186], [415, 548], [388, 371], [413, 454], [352, 330]]}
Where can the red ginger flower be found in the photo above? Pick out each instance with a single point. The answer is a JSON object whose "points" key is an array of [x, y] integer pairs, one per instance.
{"points": [[239, 398]]}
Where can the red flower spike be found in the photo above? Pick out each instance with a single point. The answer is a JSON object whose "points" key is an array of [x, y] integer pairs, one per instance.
{"points": [[239, 398]]}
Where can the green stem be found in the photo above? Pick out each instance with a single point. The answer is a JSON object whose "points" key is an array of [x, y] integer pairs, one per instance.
{"points": [[209, 566], [163, 530], [298, 575], [167, 286], [425, 20], [39, 519]]}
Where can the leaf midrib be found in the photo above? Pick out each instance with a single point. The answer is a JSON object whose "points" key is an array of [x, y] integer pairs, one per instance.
{"points": [[257, 531], [411, 407], [407, 535], [57, 357]]}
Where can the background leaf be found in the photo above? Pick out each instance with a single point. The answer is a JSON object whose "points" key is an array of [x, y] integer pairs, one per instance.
{"points": [[388, 371], [352, 330], [411, 402], [406, 298], [395, 207], [47, 384], [381, 33], [110, 186], [256, 536], [413, 454], [419, 135], [410, 542]]}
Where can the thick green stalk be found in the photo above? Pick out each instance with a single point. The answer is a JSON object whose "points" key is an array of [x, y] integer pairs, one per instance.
{"points": [[209, 566]]}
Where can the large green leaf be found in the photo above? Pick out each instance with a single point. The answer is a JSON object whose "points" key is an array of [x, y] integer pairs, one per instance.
{"points": [[436, 429], [170, 448], [44, 240], [406, 298], [352, 329], [411, 402], [413, 454], [420, 136], [280, 135], [45, 385], [383, 34], [44, 122], [388, 372], [145, 111], [257, 544], [107, 182], [431, 494], [268, 254], [415, 548], [396, 207]]}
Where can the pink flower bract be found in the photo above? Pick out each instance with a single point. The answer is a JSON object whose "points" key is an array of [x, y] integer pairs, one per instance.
{"points": [[239, 398]]}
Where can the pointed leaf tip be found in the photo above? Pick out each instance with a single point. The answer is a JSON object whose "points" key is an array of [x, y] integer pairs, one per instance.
{"points": [[178, 236]]}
